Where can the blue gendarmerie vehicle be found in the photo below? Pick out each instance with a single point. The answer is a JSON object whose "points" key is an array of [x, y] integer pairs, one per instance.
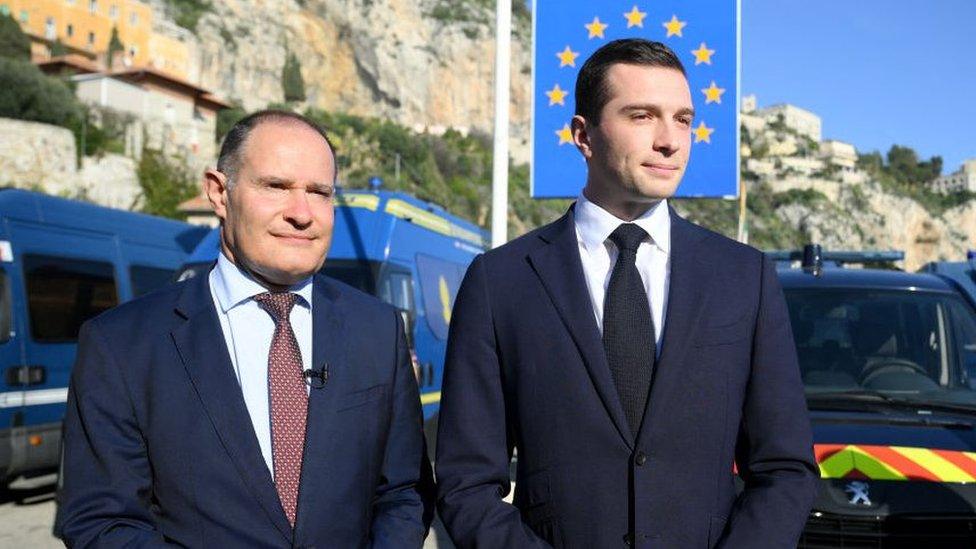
{"points": [[407, 252], [61, 263], [888, 360]]}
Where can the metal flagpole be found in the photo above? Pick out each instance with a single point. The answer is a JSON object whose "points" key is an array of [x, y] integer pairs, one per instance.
{"points": [[499, 176]]}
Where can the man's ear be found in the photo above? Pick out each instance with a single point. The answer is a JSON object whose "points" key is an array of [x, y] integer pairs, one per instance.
{"points": [[581, 137], [215, 187]]}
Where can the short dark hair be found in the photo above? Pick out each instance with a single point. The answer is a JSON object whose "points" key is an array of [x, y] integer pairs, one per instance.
{"points": [[230, 152], [592, 89]]}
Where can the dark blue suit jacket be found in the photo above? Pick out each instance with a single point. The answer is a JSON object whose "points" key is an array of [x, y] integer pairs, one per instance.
{"points": [[159, 446], [526, 369]]}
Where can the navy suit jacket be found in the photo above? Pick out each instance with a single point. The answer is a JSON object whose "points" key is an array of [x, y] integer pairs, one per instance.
{"points": [[526, 369], [159, 447]]}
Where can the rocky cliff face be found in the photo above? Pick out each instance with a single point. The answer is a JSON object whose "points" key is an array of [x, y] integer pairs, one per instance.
{"points": [[865, 217], [422, 63]]}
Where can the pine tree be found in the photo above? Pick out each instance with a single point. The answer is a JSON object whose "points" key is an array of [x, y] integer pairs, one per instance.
{"points": [[114, 45], [58, 49], [14, 43], [291, 79]]}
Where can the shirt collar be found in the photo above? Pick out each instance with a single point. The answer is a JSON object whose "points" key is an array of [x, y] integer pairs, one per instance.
{"points": [[233, 286], [594, 224]]}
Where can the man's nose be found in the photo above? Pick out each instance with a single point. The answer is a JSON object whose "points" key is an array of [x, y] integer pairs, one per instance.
{"points": [[666, 139], [297, 211]]}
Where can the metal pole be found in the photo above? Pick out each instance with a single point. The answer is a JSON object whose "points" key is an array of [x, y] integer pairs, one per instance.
{"points": [[743, 212], [499, 176]]}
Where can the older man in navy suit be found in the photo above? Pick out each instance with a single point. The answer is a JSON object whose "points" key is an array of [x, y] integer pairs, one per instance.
{"points": [[630, 356], [262, 405]]}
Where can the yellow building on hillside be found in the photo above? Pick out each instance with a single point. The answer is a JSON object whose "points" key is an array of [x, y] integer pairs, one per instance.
{"points": [[85, 26]]}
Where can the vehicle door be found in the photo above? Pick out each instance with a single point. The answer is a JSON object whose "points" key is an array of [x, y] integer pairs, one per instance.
{"points": [[69, 276]]}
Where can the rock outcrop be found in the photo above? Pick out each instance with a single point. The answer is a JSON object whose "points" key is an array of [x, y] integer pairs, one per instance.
{"points": [[423, 64]]}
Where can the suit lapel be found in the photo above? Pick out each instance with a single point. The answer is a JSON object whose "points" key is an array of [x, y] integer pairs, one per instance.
{"points": [[559, 267], [201, 344], [686, 292], [327, 352]]}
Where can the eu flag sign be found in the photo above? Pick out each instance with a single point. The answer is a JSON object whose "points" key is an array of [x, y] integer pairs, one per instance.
{"points": [[704, 35]]}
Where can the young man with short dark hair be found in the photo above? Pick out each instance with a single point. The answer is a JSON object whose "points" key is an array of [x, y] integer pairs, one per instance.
{"points": [[630, 356]]}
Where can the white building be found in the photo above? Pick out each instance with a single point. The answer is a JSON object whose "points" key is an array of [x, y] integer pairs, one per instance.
{"points": [[963, 179], [801, 121], [801, 165], [838, 153], [749, 103]]}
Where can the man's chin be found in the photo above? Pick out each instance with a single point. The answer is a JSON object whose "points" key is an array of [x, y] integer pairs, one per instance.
{"points": [[284, 277]]}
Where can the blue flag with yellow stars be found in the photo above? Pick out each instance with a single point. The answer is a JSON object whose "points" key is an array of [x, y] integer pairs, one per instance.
{"points": [[704, 35]]}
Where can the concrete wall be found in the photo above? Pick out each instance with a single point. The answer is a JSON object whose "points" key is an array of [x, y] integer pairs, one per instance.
{"points": [[33, 154], [42, 157]]}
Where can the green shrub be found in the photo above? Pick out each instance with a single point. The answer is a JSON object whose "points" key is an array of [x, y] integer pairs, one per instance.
{"points": [[27, 94], [226, 119], [14, 44], [187, 13], [166, 183]]}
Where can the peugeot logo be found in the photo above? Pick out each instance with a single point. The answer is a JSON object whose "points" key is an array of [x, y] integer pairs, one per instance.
{"points": [[858, 493]]}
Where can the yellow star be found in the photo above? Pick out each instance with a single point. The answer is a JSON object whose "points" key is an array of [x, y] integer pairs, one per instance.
{"points": [[557, 96], [635, 18], [674, 26], [703, 133], [567, 57], [565, 135], [596, 28], [713, 94], [703, 54]]}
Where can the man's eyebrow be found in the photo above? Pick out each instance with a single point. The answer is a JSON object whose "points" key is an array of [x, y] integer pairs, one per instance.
{"points": [[322, 186], [640, 107], [656, 109], [273, 180]]}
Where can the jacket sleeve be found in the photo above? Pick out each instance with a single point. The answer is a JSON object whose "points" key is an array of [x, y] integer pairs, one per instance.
{"points": [[404, 504], [774, 452], [473, 448], [107, 478]]}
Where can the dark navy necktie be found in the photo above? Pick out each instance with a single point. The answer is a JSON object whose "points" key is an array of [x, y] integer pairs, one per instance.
{"points": [[628, 328]]}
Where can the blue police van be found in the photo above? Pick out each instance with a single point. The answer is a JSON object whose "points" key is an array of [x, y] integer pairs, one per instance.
{"points": [[888, 362], [409, 253], [960, 273], [61, 263]]}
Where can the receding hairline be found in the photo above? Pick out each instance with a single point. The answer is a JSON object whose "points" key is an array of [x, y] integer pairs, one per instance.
{"points": [[282, 120]]}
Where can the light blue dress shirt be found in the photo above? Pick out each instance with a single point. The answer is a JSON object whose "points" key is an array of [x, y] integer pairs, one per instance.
{"points": [[248, 330]]}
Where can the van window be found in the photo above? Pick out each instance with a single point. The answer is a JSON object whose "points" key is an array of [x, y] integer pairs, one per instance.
{"points": [[6, 317], [439, 282], [397, 290], [146, 279], [63, 293]]}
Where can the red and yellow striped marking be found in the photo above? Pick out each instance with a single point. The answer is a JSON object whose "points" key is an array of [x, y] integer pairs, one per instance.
{"points": [[863, 461]]}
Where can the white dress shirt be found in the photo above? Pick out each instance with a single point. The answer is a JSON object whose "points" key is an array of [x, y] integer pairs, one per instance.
{"points": [[598, 254], [248, 330]]}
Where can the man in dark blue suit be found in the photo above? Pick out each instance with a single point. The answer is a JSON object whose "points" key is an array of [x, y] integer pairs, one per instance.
{"points": [[630, 356], [262, 405]]}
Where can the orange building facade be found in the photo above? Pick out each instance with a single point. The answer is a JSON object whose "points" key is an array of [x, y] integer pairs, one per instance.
{"points": [[85, 26]]}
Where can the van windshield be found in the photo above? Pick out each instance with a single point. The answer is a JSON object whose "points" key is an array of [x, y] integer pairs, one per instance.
{"points": [[915, 345]]}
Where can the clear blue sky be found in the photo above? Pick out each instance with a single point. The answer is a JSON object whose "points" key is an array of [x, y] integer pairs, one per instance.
{"points": [[878, 72]]}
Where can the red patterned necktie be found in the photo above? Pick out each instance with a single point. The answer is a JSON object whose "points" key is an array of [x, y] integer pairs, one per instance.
{"points": [[289, 400]]}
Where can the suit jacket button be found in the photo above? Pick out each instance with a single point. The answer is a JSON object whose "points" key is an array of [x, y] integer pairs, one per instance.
{"points": [[640, 459]]}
